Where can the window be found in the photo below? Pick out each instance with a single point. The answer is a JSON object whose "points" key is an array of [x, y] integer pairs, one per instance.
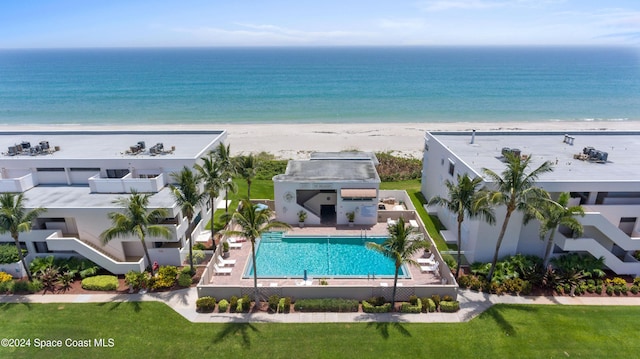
{"points": [[50, 169], [82, 169], [452, 167], [119, 173]]}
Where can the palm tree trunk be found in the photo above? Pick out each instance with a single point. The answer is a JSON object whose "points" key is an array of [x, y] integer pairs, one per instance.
{"points": [[213, 202], [547, 251], [226, 201], [459, 245], [24, 263], [190, 246], [503, 230], [147, 256], [395, 286], [255, 272], [248, 189]]}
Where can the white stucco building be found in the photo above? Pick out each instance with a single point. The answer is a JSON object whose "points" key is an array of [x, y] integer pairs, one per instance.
{"points": [[601, 171], [77, 175], [327, 187]]}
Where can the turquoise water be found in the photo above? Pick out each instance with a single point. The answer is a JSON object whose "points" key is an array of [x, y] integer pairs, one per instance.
{"points": [[333, 85], [321, 257]]}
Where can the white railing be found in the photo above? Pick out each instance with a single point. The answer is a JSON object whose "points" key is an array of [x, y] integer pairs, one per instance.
{"points": [[17, 185], [126, 184]]}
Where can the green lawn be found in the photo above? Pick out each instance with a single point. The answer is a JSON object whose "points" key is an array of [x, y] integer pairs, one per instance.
{"points": [[153, 330]]}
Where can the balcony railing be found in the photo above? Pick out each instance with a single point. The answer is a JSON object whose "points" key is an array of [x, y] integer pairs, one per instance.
{"points": [[126, 184]]}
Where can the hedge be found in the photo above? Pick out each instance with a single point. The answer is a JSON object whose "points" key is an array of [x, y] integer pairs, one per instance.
{"points": [[205, 304], [449, 307], [223, 305], [431, 305], [326, 305], [100, 282], [369, 308], [408, 308]]}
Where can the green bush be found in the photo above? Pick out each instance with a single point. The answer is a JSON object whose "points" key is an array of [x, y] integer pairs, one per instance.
{"points": [[450, 307], [609, 290], [281, 307], [436, 299], [464, 281], [198, 257], [413, 300], [100, 282], [188, 271], [9, 253], [446, 298], [273, 303], [634, 289], [425, 304], [636, 280], [326, 305], [184, 280], [166, 277], [284, 306], [431, 305], [199, 247], [376, 301], [233, 303], [223, 305], [369, 308], [599, 288], [409, 308], [246, 303], [205, 304], [20, 286]]}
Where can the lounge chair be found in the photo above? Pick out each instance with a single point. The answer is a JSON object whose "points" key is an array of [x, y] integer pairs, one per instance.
{"points": [[219, 270], [413, 223], [428, 261], [235, 245], [430, 268], [226, 262], [391, 222]]}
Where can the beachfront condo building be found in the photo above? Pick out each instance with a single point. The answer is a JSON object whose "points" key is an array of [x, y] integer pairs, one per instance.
{"points": [[600, 170], [331, 188], [77, 176]]}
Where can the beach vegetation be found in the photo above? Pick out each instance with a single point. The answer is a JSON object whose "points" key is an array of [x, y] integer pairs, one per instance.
{"points": [[15, 219], [187, 194], [516, 190], [465, 200], [393, 168], [247, 168], [400, 246], [136, 220]]}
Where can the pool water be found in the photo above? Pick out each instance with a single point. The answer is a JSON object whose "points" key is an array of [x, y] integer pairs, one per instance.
{"points": [[321, 257]]}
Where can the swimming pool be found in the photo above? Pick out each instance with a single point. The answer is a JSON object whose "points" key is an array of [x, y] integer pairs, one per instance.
{"points": [[330, 257]]}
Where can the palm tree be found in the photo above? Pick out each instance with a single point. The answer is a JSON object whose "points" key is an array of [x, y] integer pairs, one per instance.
{"points": [[556, 214], [14, 218], [465, 200], [187, 194], [254, 221], [210, 173], [400, 247], [247, 167], [517, 191], [228, 170], [136, 220]]}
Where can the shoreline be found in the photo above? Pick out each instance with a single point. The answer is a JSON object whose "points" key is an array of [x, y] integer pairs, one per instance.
{"points": [[296, 141]]}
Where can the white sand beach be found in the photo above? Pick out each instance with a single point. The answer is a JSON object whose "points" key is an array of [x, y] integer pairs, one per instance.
{"points": [[295, 141]]}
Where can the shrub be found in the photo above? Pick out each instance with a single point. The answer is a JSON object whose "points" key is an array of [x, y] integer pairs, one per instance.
{"points": [[326, 305], [634, 289], [166, 277], [187, 270], [436, 299], [48, 277], [34, 286], [425, 304], [616, 281], [408, 308], [205, 304], [450, 307], [223, 305], [431, 305], [239, 305], [5, 277], [20, 286], [450, 261], [100, 282], [65, 279], [413, 300], [134, 279], [9, 253], [376, 301], [184, 280], [199, 247], [464, 281], [446, 298], [246, 303], [273, 302], [599, 288], [636, 280], [609, 290], [233, 303], [198, 257], [370, 308], [5, 287], [287, 304]]}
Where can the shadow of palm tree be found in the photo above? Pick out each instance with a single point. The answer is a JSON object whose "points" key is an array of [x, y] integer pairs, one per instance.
{"points": [[382, 322], [497, 314], [9, 306], [119, 300], [230, 330]]}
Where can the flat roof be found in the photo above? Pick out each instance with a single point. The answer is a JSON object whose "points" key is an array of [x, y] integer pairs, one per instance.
{"points": [[346, 155], [623, 163], [65, 197], [330, 170], [111, 144]]}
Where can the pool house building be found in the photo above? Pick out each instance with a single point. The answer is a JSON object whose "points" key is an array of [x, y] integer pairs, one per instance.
{"points": [[77, 176], [600, 170]]}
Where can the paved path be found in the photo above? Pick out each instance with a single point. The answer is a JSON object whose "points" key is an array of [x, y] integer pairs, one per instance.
{"points": [[183, 301]]}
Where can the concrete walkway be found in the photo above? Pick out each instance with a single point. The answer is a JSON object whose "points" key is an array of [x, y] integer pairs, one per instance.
{"points": [[183, 301]]}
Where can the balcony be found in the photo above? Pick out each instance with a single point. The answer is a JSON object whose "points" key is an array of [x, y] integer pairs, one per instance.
{"points": [[18, 184], [126, 184]]}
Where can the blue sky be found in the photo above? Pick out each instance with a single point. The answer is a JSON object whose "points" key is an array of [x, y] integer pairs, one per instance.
{"points": [[169, 23]]}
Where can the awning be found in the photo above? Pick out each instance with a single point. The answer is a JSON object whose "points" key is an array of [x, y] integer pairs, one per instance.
{"points": [[359, 193]]}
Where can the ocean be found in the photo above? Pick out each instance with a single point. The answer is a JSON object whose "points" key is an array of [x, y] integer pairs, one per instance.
{"points": [[328, 85]]}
